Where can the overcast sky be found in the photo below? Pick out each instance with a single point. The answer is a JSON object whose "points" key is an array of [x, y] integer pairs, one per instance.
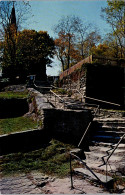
{"points": [[47, 14]]}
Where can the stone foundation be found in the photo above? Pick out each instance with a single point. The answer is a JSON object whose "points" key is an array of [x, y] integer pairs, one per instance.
{"points": [[65, 124]]}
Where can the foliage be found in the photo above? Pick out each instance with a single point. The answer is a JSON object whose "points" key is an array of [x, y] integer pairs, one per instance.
{"points": [[12, 94], [60, 91], [33, 51], [65, 31], [10, 22], [22, 13], [10, 125], [54, 160], [74, 40], [114, 14], [92, 39]]}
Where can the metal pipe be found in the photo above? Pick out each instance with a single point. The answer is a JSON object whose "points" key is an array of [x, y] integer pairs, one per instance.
{"points": [[84, 134], [88, 127], [86, 166], [114, 148], [91, 97], [71, 171]]}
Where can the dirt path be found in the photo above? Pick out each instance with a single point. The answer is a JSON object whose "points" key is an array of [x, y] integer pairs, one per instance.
{"points": [[37, 183]]}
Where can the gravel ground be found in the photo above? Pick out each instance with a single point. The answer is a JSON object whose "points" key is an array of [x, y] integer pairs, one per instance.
{"points": [[37, 183]]}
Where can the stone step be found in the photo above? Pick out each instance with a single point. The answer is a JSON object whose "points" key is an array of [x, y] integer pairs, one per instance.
{"points": [[95, 156], [108, 128], [111, 122], [96, 166], [98, 143], [103, 150], [108, 139], [89, 175], [110, 119], [112, 133]]}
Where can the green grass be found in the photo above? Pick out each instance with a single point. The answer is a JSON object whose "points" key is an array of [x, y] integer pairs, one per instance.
{"points": [[60, 91], [12, 94], [52, 160], [11, 125]]}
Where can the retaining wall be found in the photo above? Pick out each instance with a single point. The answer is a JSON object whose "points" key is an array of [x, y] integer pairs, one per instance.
{"points": [[65, 125], [13, 107], [68, 125]]}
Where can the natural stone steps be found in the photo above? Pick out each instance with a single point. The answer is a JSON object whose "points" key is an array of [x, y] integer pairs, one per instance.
{"points": [[88, 174], [112, 129], [98, 143], [104, 150], [111, 122], [112, 133], [96, 166], [110, 119], [108, 138], [105, 139], [98, 157]]}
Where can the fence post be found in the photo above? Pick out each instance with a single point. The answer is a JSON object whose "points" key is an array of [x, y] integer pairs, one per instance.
{"points": [[71, 171], [55, 100]]}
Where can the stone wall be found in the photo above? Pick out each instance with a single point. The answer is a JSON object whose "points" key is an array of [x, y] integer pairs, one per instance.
{"points": [[103, 82], [63, 124], [23, 141], [75, 81], [13, 107], [66, 125], [124, 85]]}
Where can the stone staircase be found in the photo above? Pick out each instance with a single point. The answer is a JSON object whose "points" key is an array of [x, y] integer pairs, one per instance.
{"points": [[103, 141], [107, 135]]}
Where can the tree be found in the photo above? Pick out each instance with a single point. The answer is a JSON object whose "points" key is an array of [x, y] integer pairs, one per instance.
{"points": [[10, 22], [74, 40], [101, 50], [62, 46], [33, 52], [65, 30], [114, 14], [82, 30], [22, 12], [92, 39]]}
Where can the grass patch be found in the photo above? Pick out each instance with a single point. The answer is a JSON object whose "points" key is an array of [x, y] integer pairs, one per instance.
{"points": [[119, 180], [12, 94], [60, 91], [52, 160], [11, 125]]}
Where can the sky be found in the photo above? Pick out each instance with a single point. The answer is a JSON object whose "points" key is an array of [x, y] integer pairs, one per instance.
{"points": [[48, 13]]}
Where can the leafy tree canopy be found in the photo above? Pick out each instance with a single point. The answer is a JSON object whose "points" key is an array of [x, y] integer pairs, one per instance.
{"points": [[114, 14], [33, 51]]}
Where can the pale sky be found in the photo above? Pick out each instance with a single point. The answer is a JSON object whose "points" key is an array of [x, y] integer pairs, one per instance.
{"points": [[47, 14]]}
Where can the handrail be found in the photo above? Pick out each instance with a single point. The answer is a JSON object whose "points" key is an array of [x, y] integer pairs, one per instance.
{"points": [[42, 87], [57, 96], [83, 96], [88, 126], [98, 99], [89, 122], [107, 160], [71, 154], [102, 101], [74, 90], [114, 149]]}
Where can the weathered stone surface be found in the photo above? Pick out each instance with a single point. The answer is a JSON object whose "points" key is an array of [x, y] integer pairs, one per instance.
{"points": [[87, 173], [66, 124]]}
